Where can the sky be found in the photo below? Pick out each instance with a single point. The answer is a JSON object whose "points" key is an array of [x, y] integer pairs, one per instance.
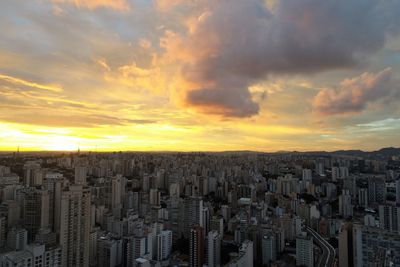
{"points": [[199, 75]]}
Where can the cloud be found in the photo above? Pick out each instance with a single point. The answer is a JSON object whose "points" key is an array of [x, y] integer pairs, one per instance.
{"points": [[354, 94], [165, 5], [120, 5], [18, 81], [233, 44], [217, 101]]}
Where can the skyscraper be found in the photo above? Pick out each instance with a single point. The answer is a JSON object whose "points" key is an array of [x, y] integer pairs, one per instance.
{"points": [[346, 258], [75, 226], [80, 175], [164, 245], [389, 218], [304, 251], [35, 210], [193, 213], [196, 249], [269, 248], [214, 249], [345, 206]]}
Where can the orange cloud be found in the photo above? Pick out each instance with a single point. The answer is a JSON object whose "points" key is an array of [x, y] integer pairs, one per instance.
{"points": [[10, 79], [120, 5], [166, 5], [354, 94]]}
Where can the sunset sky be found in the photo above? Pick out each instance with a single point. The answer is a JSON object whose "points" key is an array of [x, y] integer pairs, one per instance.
{"points": [[191, 75]]}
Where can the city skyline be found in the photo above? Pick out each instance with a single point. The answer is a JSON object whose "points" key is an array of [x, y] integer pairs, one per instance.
{"points": [[201, 75]]}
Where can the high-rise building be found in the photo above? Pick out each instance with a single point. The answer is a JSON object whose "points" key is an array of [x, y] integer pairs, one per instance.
{"points": [[17, 238], [269, 249], [389, 218], [375, 247], [109, 252], [304, 251], [214, 249], [346, 258], [345, 206], [398, 191], [155, 197], [164, 245], [376, 190], [196, 249], [54, 184], [344, 172], [193, 213], [217, 224], [35, 211], [245, 255], [33, 174], [307, 175], [206, 219], [75, 226], [80, 175], [335, 174], [363, 197]]}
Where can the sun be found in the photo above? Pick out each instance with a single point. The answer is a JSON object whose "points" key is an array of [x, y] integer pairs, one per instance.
{"points": [[61, 143]]}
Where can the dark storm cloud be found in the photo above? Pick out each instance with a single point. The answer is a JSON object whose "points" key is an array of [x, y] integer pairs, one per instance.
{"points": [[236, 43]]}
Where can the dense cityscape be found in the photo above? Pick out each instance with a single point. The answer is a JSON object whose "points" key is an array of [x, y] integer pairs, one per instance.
{"points": [[200, 209]]}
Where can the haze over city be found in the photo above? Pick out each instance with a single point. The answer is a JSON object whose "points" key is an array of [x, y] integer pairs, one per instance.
{"points": [[199, 75]]}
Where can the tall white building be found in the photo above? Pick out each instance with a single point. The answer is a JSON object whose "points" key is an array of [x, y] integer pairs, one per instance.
{"points": [[214, 249], [164, 245], [75, 226]]}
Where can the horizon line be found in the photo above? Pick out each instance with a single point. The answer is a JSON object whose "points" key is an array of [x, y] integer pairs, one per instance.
{"points": [[188, 151]]}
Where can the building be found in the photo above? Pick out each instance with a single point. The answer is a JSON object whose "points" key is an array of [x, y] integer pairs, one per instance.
{"points": [[35, 210], [193, 213], [80, 175], [75, 226], [375, 247], [214, 249], [164, 245], [345, 206], [376, 190], [346, 258], [307, 175], [389, 218], [196, 250], [269, 248], [109, 252], [244, 257], [17, 238], [305, 251], [217, 224]]}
